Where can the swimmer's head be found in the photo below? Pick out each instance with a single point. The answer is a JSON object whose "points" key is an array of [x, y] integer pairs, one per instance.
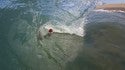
{"points": [[50, 30]]}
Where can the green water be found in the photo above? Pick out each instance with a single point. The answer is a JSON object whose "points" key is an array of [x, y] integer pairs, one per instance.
{"points": [[105, 45], [50, 53], [21, 50], [102, 47]]}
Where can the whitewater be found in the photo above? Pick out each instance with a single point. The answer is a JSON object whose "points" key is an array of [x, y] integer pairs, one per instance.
{"points": [[68, 17], [109, 11], [76, 28]]}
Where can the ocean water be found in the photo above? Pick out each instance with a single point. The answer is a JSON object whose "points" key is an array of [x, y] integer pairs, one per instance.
{"points": [[24, 42], [83, 39], [104, 40]]}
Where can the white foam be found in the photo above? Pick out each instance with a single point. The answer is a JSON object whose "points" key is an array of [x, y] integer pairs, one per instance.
{"points": [[108, 11], [102, 10], [75, 28]]}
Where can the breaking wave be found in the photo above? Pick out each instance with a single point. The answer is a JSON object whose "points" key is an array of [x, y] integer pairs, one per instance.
{"points": [[23, 19]]}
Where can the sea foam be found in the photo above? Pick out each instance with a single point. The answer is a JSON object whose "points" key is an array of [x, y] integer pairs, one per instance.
{"points": [[109, 11], [77, 27]]}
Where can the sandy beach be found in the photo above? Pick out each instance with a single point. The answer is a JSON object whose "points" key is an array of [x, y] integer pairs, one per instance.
{"points": [[112, 7]]}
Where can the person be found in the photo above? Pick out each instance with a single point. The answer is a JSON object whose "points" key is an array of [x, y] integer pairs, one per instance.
{"points": [[50, 31], [40, 36]]}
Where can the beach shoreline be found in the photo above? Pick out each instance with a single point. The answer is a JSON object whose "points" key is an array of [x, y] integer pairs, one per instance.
{"points": [[117, 7]]}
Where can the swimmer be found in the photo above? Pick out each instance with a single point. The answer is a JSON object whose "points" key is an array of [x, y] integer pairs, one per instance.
{"points": [[40, 36], [50, 31]]}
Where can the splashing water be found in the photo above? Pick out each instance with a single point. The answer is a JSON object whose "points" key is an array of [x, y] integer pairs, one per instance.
{"points": [[68, 17]]}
